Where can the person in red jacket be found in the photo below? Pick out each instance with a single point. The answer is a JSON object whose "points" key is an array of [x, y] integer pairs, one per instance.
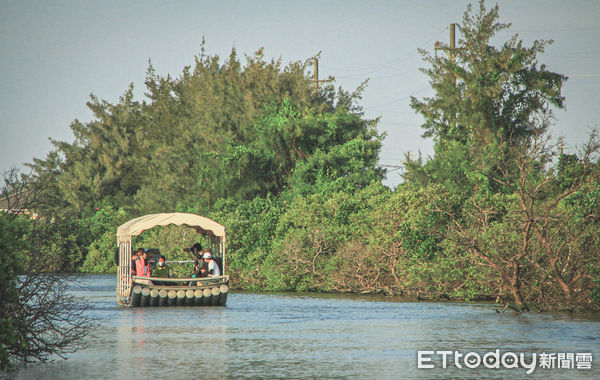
{"points": [[142, 266]]}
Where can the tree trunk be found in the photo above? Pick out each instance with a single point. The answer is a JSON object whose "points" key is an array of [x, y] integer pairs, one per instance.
{"points": [[567, 290], [515, 284]]}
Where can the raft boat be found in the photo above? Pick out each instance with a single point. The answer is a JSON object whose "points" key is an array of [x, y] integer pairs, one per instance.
{"points": [[135, 291]]}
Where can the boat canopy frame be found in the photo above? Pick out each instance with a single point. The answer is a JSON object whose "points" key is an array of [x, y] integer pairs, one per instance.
{"points": [[135, 227]]}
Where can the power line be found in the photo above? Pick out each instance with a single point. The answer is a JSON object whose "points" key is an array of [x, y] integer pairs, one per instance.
{"points": [[583, 75], [402, 124], [389, 166], [573, 56], [403, 90], [412, 71], [378, 69], [368, 70], [557, 30], [396, 101]]}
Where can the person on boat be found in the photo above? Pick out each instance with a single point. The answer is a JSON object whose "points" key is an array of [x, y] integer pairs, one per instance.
{"points": [[197, 253], [213, 268], [142, 266], [134, 257], [162, 271], [200, 270], [210, 268], [197, 250]]}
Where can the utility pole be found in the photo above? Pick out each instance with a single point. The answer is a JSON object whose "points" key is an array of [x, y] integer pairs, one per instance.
{"points": [[452, 41], [316, 80], [452, 47], [561, 145]]}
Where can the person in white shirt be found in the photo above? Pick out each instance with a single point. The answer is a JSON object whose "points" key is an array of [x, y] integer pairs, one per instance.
{"points": [[213, 267]]}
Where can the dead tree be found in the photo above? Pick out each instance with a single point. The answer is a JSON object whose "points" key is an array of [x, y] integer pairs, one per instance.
{"points": [[45, 319]]}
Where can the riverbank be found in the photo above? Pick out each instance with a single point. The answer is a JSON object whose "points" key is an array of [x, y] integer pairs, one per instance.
{"points": [[496, 302]]}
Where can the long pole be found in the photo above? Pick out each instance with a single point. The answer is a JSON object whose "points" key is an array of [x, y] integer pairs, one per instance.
{"points": [[451, 50], [452, 41], [452, 46], [316, 80], [316, 73]]}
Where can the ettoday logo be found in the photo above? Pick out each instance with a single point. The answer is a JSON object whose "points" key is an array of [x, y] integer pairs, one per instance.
{"points": [[497, 359]]}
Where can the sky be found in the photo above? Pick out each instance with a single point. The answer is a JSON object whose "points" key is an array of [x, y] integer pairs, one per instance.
{"points": [[54, 54]]}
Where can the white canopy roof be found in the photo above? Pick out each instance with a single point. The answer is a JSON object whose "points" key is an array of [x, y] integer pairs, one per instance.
{"points": [[201, 224]]}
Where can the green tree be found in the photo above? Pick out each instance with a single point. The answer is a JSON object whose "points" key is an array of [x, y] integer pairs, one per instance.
{"points": [[98, 251], [251, 230], [201, 123], [301, 152], [515, 213], [486, 100], [107, 158], [540, 240]]}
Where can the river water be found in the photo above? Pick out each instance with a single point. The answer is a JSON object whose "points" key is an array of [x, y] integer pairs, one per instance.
{"points": [[266, 335]]}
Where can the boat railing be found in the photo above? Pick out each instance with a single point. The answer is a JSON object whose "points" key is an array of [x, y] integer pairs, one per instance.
{"points": [[185, 281]]}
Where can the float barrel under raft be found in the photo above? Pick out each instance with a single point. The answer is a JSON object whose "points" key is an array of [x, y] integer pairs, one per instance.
{"points": [[212, 291]]}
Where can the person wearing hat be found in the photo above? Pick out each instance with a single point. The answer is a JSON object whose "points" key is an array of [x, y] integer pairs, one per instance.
{"points": [[213, 267]]}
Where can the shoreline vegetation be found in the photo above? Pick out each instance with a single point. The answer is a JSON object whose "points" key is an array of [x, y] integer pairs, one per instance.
{"points": [[498, 211]]}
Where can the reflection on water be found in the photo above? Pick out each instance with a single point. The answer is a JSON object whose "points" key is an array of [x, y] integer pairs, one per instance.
{"points": [[310, 336]]}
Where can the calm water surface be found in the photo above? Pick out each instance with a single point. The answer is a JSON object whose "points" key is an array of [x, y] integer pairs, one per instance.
{"points": [[311, 336]]}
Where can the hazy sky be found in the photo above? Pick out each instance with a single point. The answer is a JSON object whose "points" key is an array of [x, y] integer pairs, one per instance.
{"points": [[55, 53]]}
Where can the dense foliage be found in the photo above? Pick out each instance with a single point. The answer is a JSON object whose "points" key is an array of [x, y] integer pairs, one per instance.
{"points": [[498, 212], [513, 209], [219, 137]]}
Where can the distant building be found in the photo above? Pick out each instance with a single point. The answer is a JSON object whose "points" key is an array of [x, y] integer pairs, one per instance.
{"points": [[9, 205]]}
